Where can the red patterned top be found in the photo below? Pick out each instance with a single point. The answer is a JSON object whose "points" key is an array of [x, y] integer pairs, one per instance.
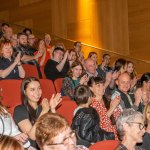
{"points": [[105, 122]]}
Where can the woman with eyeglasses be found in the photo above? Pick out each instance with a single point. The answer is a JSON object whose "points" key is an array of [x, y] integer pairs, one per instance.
{"points": [[146, 138], [54, 133], [131, 128]]}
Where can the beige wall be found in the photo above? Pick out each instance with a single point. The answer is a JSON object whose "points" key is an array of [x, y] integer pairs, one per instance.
{"points": [[103, 23]]}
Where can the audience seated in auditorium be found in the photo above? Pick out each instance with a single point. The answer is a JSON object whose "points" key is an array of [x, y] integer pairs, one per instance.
{"points": [[14, 41], [146, 138], [93, 55], [49, 49], [72, 56], [47, 40], [50, 136], [131, 128], [41, 48], [90, 69], [104, 67], [132, 73], [77, 47], [8, 127], [26, 115], [103, 106], [4, 27], [27, 31], [8, 33], [10, 67], [86, 119], [31, 39], [74, 79], [127, 100], [120, 65], [142, 94], [26, 51], [58, 66]]}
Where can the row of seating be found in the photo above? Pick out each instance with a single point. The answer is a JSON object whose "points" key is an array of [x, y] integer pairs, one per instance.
{"points": [[11, 95], [31, 70], [105, 145]]}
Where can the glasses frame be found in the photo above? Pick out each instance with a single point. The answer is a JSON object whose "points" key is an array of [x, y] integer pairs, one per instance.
{"points": [[141, 125], [72, 134]]}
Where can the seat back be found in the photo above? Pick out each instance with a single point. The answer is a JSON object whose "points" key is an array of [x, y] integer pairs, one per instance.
{"points": [[105, 145], [66, 109], [30, 70], [10, 92], [42, 71], [47, 88], [58, 84]]}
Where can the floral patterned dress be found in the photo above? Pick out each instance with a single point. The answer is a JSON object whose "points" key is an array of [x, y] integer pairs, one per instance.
{"points": [[105, 122]]}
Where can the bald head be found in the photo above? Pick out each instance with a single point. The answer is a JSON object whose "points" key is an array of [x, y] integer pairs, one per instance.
{"points": [[90, 66], [123, 82]]}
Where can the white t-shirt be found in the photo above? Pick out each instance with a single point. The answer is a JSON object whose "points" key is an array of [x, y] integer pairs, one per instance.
{"points": [[8, 126]]}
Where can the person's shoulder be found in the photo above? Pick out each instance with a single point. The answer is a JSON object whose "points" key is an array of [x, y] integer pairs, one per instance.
{"points": [[51, 62], [90, 111], [20, 108]]}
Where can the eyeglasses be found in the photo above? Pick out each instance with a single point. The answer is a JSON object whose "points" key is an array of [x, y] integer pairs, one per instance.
{"points": [[141, 125], [65, 140]]}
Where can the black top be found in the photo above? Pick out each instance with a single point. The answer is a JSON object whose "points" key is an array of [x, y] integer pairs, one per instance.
{"points": [[21, 113], [86, 125], [51, 71], [5, 63], [146, 141]]}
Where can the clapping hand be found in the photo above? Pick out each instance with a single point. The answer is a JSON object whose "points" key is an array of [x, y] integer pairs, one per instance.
{"points": [[45, 105], [84, 79], [54, 101]]}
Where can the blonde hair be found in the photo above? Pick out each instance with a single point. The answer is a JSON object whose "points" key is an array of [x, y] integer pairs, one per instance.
{"points": [[146, 110], [9, 143]]}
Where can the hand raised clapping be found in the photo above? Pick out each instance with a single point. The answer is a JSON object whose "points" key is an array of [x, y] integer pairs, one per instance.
{"points": [[51, 104]]}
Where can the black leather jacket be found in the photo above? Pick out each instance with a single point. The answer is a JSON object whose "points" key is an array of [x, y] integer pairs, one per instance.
{"points": [[86, 125]]}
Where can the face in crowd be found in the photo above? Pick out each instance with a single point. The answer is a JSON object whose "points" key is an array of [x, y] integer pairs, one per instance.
{"points": [[23, 40], [6, 50], [124, 82], [90, 66], [31, 89], [58, 55]]}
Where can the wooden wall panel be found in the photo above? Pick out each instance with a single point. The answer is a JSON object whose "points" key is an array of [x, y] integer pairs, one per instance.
{"points": [[139, 28], [102, 23]]}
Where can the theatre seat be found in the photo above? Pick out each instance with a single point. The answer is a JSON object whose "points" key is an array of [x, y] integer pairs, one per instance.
{"points": [[104, 145], [10, 92], [47, 88], [58, 84], [66, 109], [30, 70]]}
